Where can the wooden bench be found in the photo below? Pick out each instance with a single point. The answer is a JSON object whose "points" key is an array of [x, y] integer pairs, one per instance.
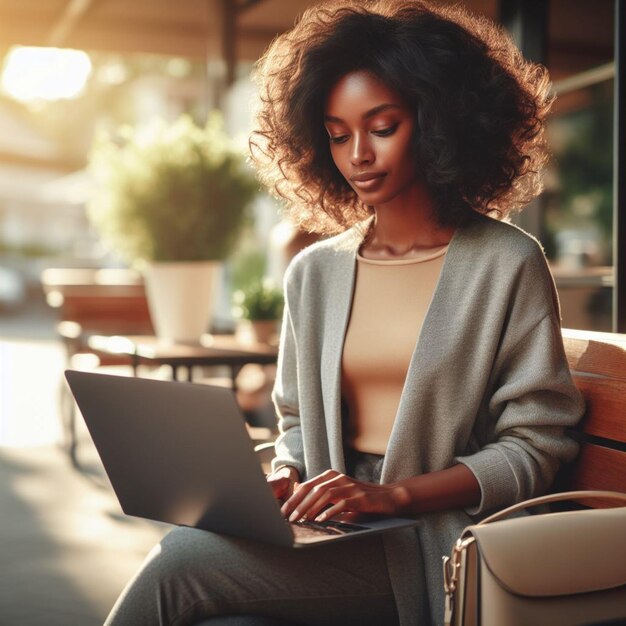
{"points": [[598, 364]]}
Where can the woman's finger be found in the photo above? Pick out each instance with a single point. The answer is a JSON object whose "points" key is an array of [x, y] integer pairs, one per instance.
{"points": [[360, 499], [304, 489], [280, 487], [353, 505], [307, 498], [310, 508]]}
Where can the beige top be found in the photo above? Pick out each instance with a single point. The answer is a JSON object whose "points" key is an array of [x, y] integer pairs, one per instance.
{"points": [[390, 302]]}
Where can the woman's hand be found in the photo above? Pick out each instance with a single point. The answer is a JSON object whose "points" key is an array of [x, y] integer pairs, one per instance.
{"points": [[332, 493], [283, 481]]}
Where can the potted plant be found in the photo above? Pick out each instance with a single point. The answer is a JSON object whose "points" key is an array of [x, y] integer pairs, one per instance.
{"points": [[260, 308], [171, 199]]}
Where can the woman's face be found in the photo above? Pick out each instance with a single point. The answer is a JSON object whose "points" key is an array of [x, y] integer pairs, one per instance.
{"points": [[370, 130]]}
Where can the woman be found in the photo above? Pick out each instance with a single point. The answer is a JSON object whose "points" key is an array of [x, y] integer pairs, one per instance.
{"points": [[421, 367]]}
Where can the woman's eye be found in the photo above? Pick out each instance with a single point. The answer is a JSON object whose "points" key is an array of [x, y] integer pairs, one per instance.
{"points": [[385, 132], [339, 139]]}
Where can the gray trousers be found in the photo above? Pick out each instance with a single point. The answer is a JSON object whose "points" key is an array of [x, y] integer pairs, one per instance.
{"points": [[193, 575]]}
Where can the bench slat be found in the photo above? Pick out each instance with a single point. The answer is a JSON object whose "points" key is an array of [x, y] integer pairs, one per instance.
{"points": [[596, 354], [598, 468], [606, 407]]}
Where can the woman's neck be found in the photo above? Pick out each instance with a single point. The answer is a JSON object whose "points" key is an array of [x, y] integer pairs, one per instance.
{"points": [[405, 227]]}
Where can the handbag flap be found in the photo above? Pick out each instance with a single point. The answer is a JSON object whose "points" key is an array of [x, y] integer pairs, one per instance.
{"points": [[557, 553]]}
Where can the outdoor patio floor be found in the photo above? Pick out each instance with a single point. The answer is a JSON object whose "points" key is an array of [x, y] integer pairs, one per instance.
{"points": [[66, 551]]}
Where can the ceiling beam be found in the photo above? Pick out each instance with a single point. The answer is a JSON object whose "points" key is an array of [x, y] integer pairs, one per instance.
{"points": [[244, 5], [74, 11], [60, 164], [109, 35]]}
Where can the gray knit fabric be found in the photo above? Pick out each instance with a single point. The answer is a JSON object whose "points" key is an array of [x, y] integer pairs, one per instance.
{"points": [[488, 386]]}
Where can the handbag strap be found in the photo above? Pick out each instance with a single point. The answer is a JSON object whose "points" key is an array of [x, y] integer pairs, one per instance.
{"points": [[555, 497]]}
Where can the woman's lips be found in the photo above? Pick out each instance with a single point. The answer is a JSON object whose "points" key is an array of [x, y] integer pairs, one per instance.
{"points": [[367, 182]]}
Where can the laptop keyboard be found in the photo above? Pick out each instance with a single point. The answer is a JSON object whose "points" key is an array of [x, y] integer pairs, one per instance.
{"points": [[310, 530]]}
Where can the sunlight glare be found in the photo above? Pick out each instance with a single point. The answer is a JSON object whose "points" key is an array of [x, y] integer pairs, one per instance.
{"points": [[31, 73]]}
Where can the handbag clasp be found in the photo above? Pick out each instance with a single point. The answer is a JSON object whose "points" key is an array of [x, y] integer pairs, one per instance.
{"points": [[451, 568]]}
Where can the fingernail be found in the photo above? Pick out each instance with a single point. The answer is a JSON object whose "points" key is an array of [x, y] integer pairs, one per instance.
{"points": [[320, 518], [294, 516]]}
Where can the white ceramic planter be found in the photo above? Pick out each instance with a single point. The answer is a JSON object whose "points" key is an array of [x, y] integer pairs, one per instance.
{"points": [[182, 298], [259, 331]]}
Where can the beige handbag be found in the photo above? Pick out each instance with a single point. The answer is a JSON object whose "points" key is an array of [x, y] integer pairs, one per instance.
{"points": [[556, 569]]}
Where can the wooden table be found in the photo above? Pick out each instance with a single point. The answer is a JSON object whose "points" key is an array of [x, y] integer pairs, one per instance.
{"points": [[224, 350], [211, 350]]}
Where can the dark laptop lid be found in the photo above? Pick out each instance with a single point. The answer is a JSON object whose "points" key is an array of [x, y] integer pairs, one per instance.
{"points": [[179, 453]]}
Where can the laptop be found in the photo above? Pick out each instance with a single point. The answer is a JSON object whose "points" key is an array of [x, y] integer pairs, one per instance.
{"points": [[180, 453]]}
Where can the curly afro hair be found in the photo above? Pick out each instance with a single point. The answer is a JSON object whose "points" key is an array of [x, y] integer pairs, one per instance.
{"points": [[479, 107]]}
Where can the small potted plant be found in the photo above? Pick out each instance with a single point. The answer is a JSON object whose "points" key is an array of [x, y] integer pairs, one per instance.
{"points": [[171, 200], [260, 308]]}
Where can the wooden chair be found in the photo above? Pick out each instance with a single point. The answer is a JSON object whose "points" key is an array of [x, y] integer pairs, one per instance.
{"points": [[89, 302]]}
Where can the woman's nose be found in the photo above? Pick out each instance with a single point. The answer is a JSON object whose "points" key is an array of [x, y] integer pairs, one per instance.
{"points": [[361, 153]]}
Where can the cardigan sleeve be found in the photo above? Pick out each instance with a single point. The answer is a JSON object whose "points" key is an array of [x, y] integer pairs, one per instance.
{"points": [[532, 401], [533, 404], [288, 445]]}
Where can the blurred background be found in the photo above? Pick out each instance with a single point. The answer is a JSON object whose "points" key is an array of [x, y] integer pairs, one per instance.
{"points": [[85, 86]]}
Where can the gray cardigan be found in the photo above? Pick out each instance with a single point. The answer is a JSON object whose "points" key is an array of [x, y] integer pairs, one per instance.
{"points": [[488, 386]]}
